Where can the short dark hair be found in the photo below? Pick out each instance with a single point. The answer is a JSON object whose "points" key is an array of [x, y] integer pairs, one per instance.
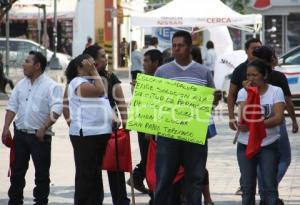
{"points": [[265, 53], [251, 40], [167, 55], [209, 45], [133, 44], [153, 40], [155, 55], [92, 50], [38, 57], [261, 66], [71, 70], [186, 35], [196, 54]]}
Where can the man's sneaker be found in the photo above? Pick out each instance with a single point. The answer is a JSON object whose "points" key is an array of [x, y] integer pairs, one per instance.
{"points": [[139, 186], [239, 191]]}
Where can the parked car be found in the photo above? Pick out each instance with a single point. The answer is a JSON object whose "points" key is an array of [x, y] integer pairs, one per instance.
{"points": [[289, 64], [19, 49]]}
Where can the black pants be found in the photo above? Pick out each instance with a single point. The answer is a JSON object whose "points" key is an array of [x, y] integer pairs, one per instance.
{"points": [[88, 155], [40, 151], [122, 60], [139, 172], [206, 178], [134, 74], [118, 188], [3, 82]]}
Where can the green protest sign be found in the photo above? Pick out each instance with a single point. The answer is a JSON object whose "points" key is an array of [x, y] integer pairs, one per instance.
{"points": [[170, 108]]}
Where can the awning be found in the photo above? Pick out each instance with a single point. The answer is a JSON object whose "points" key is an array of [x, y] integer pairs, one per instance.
{"points": [[196, 13], [25, 9]]}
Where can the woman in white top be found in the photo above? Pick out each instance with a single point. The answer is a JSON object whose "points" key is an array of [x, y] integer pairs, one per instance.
{"points": [[272, 104], [90, 127]]}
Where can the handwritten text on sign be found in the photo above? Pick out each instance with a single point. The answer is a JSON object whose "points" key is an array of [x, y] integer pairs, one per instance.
{"points": [[170, 108]]}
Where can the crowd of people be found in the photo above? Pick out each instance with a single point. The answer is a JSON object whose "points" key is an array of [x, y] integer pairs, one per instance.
{"points": [[93, 106]]}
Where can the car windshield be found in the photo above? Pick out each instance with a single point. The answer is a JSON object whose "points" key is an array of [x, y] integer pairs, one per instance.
{"points": [[293, 59]]}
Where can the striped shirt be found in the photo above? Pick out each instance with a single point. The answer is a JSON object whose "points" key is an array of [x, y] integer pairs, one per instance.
{"points": [[194, 73]]}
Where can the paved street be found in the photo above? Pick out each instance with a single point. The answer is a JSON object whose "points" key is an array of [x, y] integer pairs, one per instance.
{"points": [[222, 165]]}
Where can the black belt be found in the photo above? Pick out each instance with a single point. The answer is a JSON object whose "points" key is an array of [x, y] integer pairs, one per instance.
{"points": [[33, 132]]}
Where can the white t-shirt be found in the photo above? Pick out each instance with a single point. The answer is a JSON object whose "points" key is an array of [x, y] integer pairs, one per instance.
{"points": [[92, 115], [211, 57], [272, 96]]}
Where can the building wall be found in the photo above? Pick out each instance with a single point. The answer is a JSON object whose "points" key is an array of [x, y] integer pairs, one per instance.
{"points": [[83, 25], [99, 21], [281, 23]]}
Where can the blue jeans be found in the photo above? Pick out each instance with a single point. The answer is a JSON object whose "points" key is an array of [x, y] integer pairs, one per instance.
{"points": [[267, 159], [170, 154], [284, 159]]}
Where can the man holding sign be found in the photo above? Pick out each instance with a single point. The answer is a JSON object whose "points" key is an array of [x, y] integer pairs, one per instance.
{"points": [[172, 153]]}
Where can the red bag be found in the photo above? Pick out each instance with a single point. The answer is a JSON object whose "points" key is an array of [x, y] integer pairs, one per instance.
{"points": [[10, 143], [124, 153], [150, 167]]}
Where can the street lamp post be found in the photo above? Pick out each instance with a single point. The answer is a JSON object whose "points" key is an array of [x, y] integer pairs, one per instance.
{"points": [[54, 61], [7, 43]]}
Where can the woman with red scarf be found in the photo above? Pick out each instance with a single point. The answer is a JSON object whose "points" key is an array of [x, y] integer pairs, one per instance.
{"points": [[261, 112]]}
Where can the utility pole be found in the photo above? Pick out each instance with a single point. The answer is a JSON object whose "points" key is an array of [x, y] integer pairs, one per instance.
{"points": [[7, 43], [114, 35], [54, 61]]}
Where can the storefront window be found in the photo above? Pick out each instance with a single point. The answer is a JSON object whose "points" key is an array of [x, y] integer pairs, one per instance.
{"points": [[293, 30], [273, 33]]}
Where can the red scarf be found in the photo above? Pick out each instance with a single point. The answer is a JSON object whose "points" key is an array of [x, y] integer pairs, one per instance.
{"points": [[10, 143], [254, 121]]}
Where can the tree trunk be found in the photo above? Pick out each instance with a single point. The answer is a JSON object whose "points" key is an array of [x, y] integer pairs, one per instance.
{"points": [[4, 10]]}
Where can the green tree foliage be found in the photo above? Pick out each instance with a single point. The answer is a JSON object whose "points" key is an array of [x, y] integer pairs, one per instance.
{"points": [[237, 5], [4, 9]]}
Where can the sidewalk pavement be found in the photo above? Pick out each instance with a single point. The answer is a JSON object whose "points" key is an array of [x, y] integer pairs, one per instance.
{"points": [[222, 166]]}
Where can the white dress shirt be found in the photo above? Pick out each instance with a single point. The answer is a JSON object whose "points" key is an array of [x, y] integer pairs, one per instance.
{"points": [[33, 103]]}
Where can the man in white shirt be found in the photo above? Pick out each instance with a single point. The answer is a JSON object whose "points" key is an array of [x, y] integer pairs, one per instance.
{"points": [[37, 103]]}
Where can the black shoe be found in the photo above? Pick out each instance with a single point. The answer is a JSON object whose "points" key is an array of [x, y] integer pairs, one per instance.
{"points": [[138, 186], [239, 191], [280, 202]]}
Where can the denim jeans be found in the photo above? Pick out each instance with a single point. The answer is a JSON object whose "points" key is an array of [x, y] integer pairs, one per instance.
{"points": [[40, 151], [170, 154], [267, 159], [284, 159]]}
